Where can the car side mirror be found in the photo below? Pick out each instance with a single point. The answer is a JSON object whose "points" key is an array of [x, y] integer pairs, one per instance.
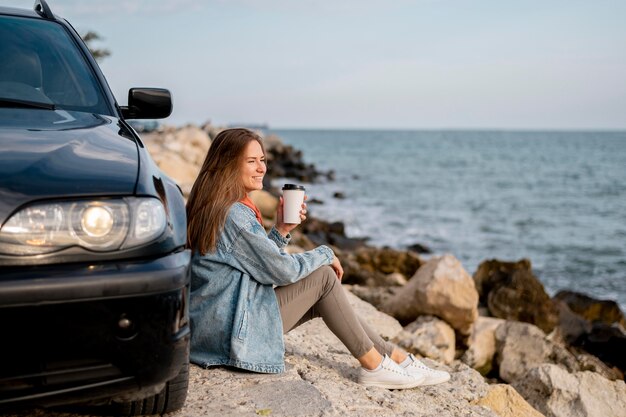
{"points": [[147, 103]]}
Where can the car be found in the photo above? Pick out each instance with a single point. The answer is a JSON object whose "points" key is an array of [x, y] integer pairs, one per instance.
{"points": [[94, 273]]}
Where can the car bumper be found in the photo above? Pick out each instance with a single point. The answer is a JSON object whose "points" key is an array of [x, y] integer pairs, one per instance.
{"points": [[90, 333]]}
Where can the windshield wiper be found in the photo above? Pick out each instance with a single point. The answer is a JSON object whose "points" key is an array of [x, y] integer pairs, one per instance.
{"points": [[13, 102]]}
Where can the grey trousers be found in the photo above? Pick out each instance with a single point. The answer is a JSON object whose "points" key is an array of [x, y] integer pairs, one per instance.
{"points": [[321, 295]]}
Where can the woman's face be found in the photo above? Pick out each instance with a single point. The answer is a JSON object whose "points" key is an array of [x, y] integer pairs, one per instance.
{"points": [[254, 167]]}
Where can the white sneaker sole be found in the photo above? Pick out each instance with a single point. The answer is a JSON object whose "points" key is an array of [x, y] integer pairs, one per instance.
{"points": [[392, 385]]}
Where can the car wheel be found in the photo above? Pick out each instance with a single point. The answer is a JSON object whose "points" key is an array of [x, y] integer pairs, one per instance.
{"points": [[171, 398]]}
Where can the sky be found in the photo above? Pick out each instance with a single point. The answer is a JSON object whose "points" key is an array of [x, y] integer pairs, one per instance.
{"points": [[394, 64]]}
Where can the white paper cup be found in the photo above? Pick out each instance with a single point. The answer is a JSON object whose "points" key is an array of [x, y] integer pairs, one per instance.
{"points": [[293, 197]]}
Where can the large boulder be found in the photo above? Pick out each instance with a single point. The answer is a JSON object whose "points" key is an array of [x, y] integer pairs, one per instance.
{"points": [[512, 292], [506, 402], [592, 309], [558, 393], [430, 337], [523, 346], [441, 287], [482, 344]]}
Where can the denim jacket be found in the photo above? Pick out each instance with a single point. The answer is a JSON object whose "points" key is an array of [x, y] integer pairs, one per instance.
{"points": [[235, 318]]}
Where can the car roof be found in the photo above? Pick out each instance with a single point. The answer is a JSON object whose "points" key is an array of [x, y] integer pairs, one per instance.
{"points": [[12, 11]]}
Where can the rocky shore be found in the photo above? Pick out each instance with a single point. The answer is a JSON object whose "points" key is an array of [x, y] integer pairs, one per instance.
{"points": [[506, 341], [512, 350]]}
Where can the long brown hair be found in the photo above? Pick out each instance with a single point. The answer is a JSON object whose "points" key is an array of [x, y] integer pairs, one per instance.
{"points": [[217, 187]]}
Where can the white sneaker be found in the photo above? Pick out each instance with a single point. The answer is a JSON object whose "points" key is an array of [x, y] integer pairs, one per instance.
{"points": [[431, 376], [389, 375]]}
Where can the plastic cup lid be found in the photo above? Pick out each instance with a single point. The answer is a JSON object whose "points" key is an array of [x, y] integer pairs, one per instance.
{"points": [[293, 187]]}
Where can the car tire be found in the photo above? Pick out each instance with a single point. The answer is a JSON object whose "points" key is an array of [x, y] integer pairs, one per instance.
{"points": [[171, 398]]}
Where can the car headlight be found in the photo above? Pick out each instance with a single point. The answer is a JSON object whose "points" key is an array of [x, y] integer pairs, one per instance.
{"points": [[97, 225]]}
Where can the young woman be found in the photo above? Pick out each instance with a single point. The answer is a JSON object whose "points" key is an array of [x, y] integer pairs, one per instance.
{"points": [[246, 291]]}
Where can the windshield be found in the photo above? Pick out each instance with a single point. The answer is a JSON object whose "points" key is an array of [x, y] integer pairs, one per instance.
{"points": [[41, 66]]}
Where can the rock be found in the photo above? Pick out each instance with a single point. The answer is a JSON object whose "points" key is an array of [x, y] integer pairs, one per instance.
{"points": [[571, 326], [377, 267], [441, 287], [607, 342], [483, 311], [512, 292], [272, 142], [285, 161], [523, 346], [419, 248], [229, 392], [193, 144], [482, 344], [429, 337], [605, 311], [506, 402], [211, 130], [591, 363], [376, 296], [325, 233], [347, 243], [396, 279], [557, 393]]}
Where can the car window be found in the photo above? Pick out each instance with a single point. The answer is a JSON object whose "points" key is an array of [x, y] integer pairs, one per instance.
{"points": [[41, 63]]}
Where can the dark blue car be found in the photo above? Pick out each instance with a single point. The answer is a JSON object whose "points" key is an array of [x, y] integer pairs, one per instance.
{"points": [[93, 267]]}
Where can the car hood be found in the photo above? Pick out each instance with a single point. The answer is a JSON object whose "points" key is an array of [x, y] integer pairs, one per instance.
{"points": [[52, 154]]}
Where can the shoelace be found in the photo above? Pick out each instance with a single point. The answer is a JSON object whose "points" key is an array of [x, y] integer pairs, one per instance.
{"points": [[423, 367], [396, 369]]}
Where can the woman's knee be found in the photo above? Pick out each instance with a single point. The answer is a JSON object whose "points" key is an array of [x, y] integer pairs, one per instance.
{"points": [[329, 276], [323, 278]]}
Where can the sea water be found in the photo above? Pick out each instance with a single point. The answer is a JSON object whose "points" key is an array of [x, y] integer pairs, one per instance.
{"points": [[556, 198]]}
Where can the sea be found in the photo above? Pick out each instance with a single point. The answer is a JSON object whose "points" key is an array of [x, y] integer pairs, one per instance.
{"points": [[556, 198]]}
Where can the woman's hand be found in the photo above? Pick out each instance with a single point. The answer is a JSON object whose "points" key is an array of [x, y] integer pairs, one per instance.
{"points": [[282, 227], [336, 266]]}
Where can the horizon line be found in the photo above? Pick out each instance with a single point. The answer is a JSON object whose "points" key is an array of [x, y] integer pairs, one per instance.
{"points": [[267, 126], [457, 129]]}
